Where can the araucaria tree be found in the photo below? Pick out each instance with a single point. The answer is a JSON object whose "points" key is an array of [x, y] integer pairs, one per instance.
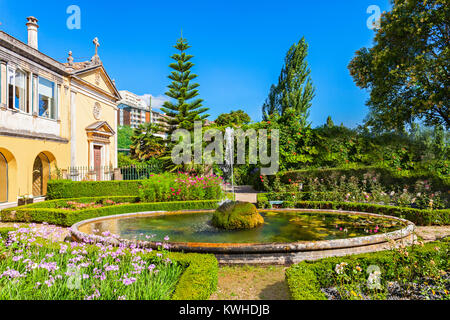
{"points": [[407, 69], [294, 89], [186, 108]]}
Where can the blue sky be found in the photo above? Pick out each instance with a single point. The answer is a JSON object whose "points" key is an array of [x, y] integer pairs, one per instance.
{"points": [[239, 46]]}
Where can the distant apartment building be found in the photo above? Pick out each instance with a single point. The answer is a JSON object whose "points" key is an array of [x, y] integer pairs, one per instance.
{"points": [[159, 118], [133, 110]]}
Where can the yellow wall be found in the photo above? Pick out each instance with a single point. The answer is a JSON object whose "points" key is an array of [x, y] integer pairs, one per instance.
{"points": [[85, 117], [21, 154]]}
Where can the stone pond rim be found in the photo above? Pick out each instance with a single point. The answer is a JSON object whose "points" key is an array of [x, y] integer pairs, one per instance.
{"points": [[267, 253]]}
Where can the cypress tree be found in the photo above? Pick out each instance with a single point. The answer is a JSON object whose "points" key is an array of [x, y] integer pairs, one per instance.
{"points": [[294, 89]]}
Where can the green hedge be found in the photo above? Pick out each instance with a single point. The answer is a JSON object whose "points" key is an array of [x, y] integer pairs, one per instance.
{"points": [[60, 189], [4, 232], [62, 202], [418, 216], [39, 213], [306, 278], [263, 198], [387, 177], [199, 280]]}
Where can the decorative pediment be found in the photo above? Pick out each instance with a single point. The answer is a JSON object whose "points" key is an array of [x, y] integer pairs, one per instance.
{"points": [[100, 131], [97, 77], [101, 127]]}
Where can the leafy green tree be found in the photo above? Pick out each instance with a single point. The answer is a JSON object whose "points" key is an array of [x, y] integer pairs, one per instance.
{"points": [[124, 134], [407, 69], [236, 118], [145, 144], [296, 147], [294, 89], [186, 108]]}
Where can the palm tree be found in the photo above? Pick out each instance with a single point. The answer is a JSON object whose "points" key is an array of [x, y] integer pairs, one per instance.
{"points": [[145, 144]]}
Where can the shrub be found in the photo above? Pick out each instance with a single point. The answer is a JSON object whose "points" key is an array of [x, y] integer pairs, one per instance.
{"points": [[179, 187], [237, 215], [387, 177], [306, 278], [162, 187], [199, 280], [49, 212], [62, 189]]}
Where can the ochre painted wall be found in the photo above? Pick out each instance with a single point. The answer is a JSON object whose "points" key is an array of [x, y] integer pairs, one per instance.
{"points": [[85, 118], [21, 154]]}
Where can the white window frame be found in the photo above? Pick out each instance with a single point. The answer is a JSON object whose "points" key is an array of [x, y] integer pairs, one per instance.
{"points": [[55, 98], [11, 72]]}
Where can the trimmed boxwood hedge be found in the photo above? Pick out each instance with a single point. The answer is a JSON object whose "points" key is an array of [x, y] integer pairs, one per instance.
{"points": [[4, 232], [46, 211], [61, 189], [306, 278], [198, 280], [388, 177], [420, 217]]}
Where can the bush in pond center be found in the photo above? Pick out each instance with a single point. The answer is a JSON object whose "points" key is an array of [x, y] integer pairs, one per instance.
{"points": [[237, 215]]}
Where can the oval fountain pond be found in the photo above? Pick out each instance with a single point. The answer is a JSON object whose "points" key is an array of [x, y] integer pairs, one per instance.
{"points": [[287, 235]]}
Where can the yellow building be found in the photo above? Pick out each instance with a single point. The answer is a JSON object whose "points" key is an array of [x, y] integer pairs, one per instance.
{"points": [[53, 116]]}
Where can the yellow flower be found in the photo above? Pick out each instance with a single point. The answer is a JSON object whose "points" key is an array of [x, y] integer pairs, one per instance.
{"points": [[433, 292]]}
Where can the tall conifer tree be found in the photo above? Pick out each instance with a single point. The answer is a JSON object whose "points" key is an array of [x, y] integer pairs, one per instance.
{"points": [[294, 89], [186, 108]]}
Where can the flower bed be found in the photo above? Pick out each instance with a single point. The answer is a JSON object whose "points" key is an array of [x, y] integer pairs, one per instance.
{"points": [[375, 275], [161, 187], [55, 212], [386, 176], [182, 186], [418, 216], [34, 268], [420, 194]]}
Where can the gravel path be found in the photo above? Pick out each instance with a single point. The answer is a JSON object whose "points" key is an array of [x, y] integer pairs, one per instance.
{"points": [[245, 193], [433, 233]]}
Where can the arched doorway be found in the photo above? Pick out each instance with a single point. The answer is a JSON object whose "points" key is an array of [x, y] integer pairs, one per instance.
{"points": [[3, 178], [41, 175]]}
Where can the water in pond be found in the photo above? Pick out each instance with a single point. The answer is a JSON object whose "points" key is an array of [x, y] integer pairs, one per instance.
{"points": [[287, 226]]}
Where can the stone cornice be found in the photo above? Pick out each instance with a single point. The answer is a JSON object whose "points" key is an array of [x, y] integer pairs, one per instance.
{"points": [[30, 53], [31, 135]]}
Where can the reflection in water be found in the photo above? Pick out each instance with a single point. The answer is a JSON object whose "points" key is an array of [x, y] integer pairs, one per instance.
{"points": [[278, 227]]}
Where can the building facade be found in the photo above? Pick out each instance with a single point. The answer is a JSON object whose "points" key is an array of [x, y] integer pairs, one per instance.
{"points": [[133, 110], [160, 119], [53, 116]]}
